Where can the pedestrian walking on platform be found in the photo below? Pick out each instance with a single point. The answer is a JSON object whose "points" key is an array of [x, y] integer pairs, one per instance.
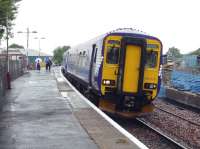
{"points": [[38, 61], [38, 65], [48, 64]]}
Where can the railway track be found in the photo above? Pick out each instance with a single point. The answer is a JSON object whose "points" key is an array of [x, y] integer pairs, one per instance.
{"points": [[164, 137], [189, 121], [178, 145]]}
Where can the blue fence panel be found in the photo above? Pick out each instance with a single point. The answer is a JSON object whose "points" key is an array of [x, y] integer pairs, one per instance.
{"points": [[185, 81]]}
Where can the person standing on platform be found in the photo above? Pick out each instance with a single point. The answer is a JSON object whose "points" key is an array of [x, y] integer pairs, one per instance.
{"points": [[38, 65], [48, 63]]}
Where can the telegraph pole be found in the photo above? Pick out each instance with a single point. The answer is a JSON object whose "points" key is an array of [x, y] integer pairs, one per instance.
{"points": [[39, 42]]}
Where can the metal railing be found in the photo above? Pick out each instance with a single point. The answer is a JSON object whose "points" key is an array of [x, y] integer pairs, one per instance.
{"points": [[2, 76], [17, 66]]}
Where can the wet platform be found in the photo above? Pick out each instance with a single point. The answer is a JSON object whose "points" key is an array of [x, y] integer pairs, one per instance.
{"points": [[42, 111]]}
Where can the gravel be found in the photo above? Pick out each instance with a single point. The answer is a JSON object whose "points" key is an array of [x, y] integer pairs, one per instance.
{"points": [[147, 136], [180, 130]]}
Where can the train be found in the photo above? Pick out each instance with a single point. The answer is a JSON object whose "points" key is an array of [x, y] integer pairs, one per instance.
{"points": [[120, 69]]}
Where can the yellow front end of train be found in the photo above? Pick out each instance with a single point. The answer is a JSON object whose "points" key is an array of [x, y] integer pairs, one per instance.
{"points": [[130, 74]]}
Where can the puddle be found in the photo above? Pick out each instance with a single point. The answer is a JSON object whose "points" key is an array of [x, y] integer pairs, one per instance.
{"points": [[32, 82], [60, 79], [64, 94]]}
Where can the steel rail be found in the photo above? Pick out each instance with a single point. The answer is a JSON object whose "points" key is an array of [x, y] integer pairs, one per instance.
{"points": [[160, 133], [178, 116]]}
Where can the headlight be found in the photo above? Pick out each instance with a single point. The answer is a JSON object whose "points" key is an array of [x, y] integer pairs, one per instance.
{"points": [[104, 81], [108, 82], [150, 86]]}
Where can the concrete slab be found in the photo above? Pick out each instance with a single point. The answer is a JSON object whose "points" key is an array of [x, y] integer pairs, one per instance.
{"points": [[36, 116], [184, 97]]}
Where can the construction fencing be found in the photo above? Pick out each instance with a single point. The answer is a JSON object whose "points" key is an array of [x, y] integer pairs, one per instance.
{"points": [[17, 66]]}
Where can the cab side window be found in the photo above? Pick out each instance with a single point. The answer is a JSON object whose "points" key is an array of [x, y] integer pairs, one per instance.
{"points": [[112, 55], [151, 59]]}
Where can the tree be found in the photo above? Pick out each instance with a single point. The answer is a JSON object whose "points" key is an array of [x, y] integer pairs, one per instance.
{"points": [[8, 11], [58, 54], [173, 53], [196, 52], [16, 46]]}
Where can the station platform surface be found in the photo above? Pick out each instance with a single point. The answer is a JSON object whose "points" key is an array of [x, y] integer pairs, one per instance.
{"points": [[41, 111]]}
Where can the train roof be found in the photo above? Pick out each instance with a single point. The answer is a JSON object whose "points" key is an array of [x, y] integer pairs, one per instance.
{"points": [[120, 31], [131, 32]]}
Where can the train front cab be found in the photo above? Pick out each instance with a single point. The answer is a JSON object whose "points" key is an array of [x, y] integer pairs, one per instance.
{"points": [[130, 75]]}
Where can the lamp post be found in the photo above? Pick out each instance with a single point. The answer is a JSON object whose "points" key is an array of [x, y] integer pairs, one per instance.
{"points": [[27, 42], [39, 38], [7, 57]]}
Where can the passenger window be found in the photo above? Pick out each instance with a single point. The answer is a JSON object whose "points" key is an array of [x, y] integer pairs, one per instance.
{"points": [[84, 52], [95, 56], [112, 55], [151, 59]]}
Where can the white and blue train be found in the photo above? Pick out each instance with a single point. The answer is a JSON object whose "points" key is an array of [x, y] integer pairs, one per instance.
{"points": [[122, 68]]}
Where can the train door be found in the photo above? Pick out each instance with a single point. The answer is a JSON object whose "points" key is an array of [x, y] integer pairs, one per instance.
{"points": [[92, 80], [132, 61], [131, 68]]}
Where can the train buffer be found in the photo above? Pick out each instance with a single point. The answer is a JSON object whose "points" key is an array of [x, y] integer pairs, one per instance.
{"points": [[42, 111]]}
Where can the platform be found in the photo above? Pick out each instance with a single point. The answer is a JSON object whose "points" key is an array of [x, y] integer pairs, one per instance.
{"points": [[184, 97], [41, 111]]}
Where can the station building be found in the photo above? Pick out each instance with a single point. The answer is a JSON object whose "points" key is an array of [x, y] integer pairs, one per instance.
{"points": [[21, 54], [192, 60]]}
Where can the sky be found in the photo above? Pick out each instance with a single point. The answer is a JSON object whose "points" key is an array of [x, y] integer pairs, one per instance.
{"points": [[71, 22]]}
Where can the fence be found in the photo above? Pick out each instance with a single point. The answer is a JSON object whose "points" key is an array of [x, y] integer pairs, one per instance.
{"points": [[183, 75], [185, 81], [17, 65], [2, 76]]}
